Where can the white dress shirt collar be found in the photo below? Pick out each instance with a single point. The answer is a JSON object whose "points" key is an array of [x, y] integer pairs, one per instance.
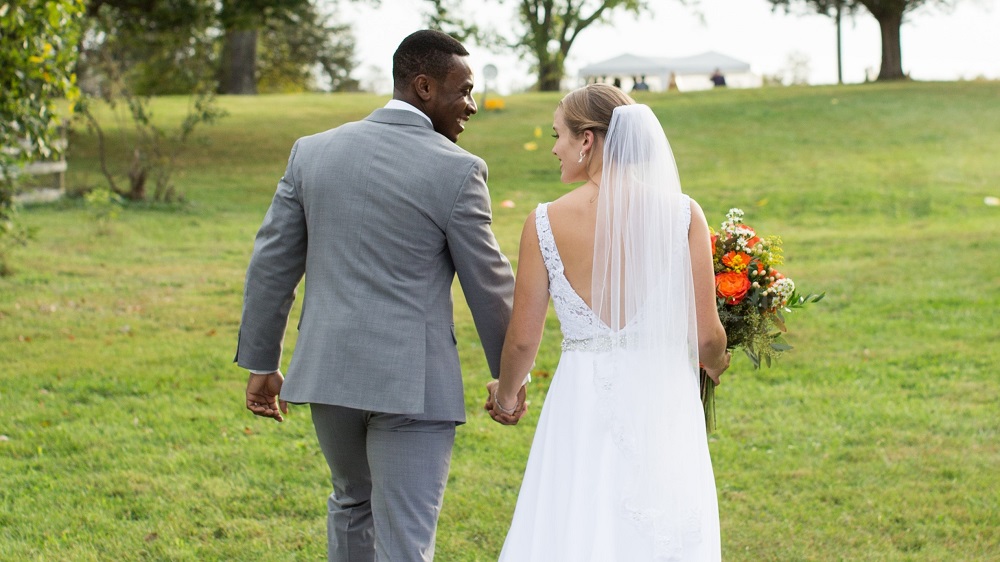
{"points": [[400, 104]]}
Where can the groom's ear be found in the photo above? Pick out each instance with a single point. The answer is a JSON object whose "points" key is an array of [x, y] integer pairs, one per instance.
{"points": [[423, 85]]}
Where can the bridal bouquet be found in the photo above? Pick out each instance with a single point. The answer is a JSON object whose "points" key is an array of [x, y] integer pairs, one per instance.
{"points": [[751, 296]]}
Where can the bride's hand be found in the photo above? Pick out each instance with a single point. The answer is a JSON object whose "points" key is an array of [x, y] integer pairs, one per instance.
{"points": [[496, 413], [715, 373]]}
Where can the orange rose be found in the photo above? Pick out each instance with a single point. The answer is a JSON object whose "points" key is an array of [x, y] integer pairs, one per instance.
{"points": [[753, 242], [736, 261], [714, 238], [732, 286]]}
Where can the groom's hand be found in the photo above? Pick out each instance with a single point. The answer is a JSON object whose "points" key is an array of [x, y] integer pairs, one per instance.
{"points": [[262, 396], [502, 417]]}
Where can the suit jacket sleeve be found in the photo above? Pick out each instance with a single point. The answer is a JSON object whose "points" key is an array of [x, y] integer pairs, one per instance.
{"points": [[484, 272], [276, 267]]}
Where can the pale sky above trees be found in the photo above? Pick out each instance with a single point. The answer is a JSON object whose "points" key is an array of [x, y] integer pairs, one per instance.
{"points": [[936, 45]]}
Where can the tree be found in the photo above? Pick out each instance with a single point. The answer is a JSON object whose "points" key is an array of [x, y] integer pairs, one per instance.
{"points": [[832, 8], [294, 45], [150, 148], [296, 37], [549, 28], [38, 51], [888, 13], [175, 46], [160, 46]]}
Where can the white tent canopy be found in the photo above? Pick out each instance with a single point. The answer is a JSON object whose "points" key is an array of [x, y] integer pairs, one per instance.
{"points": [[698, 67]]}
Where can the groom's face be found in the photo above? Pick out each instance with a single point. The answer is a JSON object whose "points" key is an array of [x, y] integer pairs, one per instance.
{"points": [[451, 104]]}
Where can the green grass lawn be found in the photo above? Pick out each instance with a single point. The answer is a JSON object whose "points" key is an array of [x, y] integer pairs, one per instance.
{"points": [[124, 435]]}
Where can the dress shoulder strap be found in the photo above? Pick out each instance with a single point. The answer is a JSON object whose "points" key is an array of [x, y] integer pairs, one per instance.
{"points": [[686, 213], [550, 254]]}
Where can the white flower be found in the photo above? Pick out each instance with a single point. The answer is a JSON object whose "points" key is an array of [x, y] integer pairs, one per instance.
{"points": [[783, 288]]}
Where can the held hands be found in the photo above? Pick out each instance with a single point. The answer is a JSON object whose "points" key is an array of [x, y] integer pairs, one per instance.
{"points": [[498, 413], [715, 372], [262, 396]]}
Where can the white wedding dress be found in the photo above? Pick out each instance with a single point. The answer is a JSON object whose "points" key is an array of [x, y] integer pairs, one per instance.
{"points": [[583, 497]]}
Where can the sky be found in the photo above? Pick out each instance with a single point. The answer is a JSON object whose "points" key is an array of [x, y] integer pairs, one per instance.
{"points": [[937, 44]]}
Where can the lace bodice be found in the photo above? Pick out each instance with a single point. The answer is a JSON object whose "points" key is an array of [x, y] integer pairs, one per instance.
{"points": [[581, 328], [576, 320]]}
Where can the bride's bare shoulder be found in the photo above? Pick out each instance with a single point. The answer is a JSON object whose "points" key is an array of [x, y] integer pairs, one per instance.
{"points": [[697, 214], [576, 201]]}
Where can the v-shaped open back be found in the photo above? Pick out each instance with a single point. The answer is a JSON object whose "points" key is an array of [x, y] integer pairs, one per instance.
{"points": [[576, 317]]}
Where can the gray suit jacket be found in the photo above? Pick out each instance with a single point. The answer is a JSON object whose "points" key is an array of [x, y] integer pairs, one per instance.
{"points": [[379, 215]]}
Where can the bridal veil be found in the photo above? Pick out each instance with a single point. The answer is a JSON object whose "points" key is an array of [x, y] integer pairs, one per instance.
{"points": [[642, 289]]}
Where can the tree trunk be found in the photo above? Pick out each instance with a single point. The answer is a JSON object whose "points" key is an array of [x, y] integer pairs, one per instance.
{"points": [[238, 74], [550, 74], [892, 64], [840, 51]]}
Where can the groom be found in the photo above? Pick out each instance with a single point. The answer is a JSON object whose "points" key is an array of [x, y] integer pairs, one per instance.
{"points": [[379, 215]]}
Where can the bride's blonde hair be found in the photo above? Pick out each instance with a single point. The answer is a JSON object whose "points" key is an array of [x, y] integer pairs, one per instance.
{"points": [[589, 108]]}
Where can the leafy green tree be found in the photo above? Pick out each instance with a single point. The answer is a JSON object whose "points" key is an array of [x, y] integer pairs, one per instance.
{"points": [[175, 46], [295, 45], [547, 31], [888, 13], [295, 35], [38, 51], [159, 46]]}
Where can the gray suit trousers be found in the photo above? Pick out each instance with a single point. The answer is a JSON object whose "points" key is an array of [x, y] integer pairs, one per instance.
{"points": [[389, 473]]}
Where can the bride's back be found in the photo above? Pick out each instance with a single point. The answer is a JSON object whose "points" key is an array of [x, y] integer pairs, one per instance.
{"points": [[573, 218]]}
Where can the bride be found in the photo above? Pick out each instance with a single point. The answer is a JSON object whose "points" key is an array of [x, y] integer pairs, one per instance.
{"points": [[619, 469]]}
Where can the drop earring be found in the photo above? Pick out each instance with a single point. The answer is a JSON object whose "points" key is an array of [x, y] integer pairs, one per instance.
{"points": [[581, 157]]}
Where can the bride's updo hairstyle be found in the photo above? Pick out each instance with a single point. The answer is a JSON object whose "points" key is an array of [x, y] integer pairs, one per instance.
{"points": [[589, 108]]}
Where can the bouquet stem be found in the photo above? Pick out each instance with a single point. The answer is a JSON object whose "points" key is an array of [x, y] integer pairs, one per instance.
{"points": [[708, 400]]}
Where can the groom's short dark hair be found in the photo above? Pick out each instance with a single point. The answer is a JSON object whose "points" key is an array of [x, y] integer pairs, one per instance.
{"points": [[424, 52]]}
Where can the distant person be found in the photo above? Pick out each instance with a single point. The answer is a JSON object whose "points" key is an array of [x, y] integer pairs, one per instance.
{"points": [[673, 82], [380, 215], [617, 83], [718, 79], [640, 85], [619, 469]]}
